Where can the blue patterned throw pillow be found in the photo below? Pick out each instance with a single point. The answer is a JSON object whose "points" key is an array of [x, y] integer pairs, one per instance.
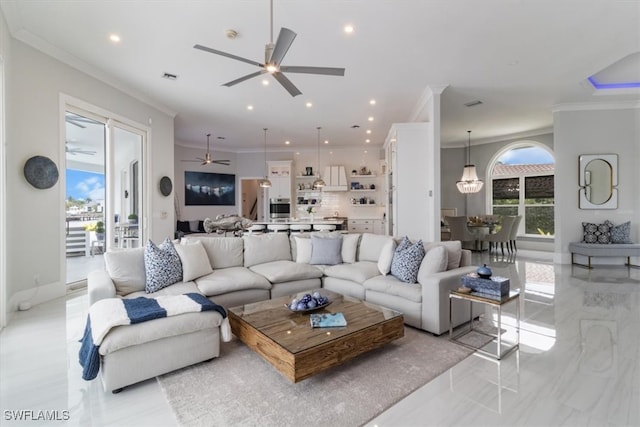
{"points": [[162, 265], [406, 260], [621, 233]]}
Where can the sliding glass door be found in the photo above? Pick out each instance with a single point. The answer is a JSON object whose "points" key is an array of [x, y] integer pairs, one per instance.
{"points": [[104, 203]]}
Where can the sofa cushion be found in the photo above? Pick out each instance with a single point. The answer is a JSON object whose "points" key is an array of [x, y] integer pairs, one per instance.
{"points": [[454, 252], [434, 261], [178, 288], [302, 249], [126, 269], [231, 279], [286, 271], [195, 262], [386, 257], [326, 251], [268, 247], [391, 285], [162, 265], [621, 233], [371, 246], [407, 259], [223, 252], [357, 272], [350, 247]]}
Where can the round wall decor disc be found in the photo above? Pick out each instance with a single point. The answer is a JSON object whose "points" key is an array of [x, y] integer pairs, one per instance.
{"points": [[165, 186], [41, 172]]}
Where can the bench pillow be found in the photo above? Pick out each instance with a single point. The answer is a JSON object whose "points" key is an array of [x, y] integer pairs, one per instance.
{"points": [[621, 233], [596, 233]]}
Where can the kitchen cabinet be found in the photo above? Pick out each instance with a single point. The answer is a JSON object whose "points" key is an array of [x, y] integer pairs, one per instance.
{"points": [[374, 226], [280, 176]]}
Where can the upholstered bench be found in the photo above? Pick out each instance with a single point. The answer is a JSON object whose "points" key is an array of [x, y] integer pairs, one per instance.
{"points": [[604, 250]]}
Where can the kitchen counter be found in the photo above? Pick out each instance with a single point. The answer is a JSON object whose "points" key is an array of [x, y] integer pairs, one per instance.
{"points": [[301, 221]]}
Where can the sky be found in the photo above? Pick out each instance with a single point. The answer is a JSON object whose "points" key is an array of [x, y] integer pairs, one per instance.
{"points": [[526, 156], [83, 185]]}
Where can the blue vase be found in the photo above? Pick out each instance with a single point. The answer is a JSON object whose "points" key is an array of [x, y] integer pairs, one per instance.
{"points": [[484, 272]]}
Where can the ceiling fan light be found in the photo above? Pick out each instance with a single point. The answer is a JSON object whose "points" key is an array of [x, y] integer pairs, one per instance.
{"points": [[272, 68]]}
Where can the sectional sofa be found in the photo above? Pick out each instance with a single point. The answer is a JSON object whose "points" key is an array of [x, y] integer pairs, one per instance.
{"points": [[232, 271]]}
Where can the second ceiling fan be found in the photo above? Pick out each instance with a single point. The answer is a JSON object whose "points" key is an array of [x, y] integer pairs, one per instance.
{"points": [[273, 56]]}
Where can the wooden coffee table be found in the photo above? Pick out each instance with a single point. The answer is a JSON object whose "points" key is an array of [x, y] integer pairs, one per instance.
{"points": [[287, 341]]}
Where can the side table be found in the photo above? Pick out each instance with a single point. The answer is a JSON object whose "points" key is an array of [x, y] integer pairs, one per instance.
{"points": [[495, 302]]}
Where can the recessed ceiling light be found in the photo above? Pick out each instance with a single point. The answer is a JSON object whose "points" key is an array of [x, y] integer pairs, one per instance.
{"points": [[368, 131], [114, 38], [349, 29], [287, 142], [365, 151], [372, 102], [367, 141], [265, 82], [326, 141], [249, 107], [231, 34], [309, 104], [370, 118]]}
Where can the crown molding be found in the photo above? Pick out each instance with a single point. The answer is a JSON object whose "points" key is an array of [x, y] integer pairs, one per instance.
{"points": [[593, 106]]}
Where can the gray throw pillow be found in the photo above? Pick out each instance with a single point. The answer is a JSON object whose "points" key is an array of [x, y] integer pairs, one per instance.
{"points": [[621, 233], [326, 251], [162, 265]]}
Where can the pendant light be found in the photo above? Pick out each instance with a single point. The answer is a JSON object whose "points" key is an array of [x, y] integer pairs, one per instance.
{"points": [[469, 183], [265, 183], [318, 183]]}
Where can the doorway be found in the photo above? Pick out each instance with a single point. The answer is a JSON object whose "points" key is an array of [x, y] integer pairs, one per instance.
{"points": [[105, 182], [252, 199]]}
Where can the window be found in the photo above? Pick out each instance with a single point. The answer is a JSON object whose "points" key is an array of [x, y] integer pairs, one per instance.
{"points": [[522, 183]]}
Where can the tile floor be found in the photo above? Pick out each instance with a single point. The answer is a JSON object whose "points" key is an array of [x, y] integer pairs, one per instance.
{"points": [[578, 365]]}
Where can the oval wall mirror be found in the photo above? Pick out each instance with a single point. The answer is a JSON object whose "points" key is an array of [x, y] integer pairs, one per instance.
{"points": [[598, 179]]}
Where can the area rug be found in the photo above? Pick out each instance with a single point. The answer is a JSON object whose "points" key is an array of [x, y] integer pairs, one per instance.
{"points": [[240, 389]]}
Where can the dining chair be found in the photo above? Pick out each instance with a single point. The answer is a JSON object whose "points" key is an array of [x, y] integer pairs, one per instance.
{"points": [[503, 235], [459, 230], [513, 235]]}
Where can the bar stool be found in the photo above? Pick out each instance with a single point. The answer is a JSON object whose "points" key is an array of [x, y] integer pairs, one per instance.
{"points": [[299, 228], [324, 227], [277, 228], [256, 229]]}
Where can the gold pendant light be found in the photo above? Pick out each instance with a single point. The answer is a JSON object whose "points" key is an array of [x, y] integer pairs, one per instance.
{"points": [[318, 183], [265, 183]]}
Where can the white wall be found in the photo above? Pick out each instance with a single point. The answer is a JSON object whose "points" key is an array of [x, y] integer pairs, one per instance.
{"points": [[608, 130], [35, 85], [5, 55]]}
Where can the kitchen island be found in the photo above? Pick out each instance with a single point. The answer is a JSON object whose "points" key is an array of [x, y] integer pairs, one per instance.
{"points": [[339, 222]]}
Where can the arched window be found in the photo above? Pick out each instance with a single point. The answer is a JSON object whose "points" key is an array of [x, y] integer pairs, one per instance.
{"points": [[522, 183]]}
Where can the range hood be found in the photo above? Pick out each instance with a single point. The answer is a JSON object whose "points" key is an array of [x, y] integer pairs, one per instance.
{"points": [[336, 178]]}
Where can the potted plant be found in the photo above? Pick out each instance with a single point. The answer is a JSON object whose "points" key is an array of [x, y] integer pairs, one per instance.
{"points": [[133, 218], [99, 230]]}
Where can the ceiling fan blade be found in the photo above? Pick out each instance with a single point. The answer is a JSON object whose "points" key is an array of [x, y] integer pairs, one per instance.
{"points": [[285, 38], [329, 71], [228, 55], [286, 83], [247, 77], [222, 162]]}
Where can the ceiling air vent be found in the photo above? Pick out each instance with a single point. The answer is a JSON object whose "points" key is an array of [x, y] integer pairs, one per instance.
{"points": [[472, 103], [170, 76]]}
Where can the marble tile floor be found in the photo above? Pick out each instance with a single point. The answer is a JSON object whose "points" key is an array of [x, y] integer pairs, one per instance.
{"points": [[578, 363]]}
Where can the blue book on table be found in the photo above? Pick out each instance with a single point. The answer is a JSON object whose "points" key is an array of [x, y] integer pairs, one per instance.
{"points": [[327, 320]]}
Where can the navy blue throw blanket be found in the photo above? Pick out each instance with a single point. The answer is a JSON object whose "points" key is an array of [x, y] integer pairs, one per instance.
{"points": [[111, 312]]}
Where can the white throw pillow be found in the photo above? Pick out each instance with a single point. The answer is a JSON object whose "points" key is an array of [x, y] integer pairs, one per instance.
{"points": [[303, 250], [350, 247], [435, 261], [195, 262], [386, 257]]}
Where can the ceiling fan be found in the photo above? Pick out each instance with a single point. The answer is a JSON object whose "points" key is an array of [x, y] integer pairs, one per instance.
{"points": [[273, 56], [74, 151], [207, 157]]}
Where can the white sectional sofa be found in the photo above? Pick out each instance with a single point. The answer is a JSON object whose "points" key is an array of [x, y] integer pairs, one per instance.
{"points": [[233, 271]]}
